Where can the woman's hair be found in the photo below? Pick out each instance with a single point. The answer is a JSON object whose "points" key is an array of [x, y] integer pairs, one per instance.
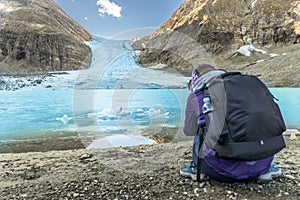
{"points": [[203, 68]]}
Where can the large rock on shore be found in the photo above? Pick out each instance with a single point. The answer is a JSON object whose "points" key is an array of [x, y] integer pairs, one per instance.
{"points": [[221, 27], [38, 36]]}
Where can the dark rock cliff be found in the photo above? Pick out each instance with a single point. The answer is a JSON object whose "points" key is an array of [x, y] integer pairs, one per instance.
{"points": [[221, 27], [38, 36]]}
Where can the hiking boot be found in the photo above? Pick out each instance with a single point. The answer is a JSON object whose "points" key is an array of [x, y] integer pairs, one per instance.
{"points": [[190, 172], [272, 173]]}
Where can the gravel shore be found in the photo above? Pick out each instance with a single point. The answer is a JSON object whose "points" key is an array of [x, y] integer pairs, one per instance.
{"points": [[140, 172]]}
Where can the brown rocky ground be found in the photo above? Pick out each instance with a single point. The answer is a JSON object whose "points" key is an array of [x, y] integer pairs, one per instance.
{"points": [[141, 172]]}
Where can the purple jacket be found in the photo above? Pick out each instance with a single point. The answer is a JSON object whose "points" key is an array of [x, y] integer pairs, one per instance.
{"points": [[229, 168]]}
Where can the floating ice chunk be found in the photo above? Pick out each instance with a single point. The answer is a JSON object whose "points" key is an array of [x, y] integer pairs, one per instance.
{"points": [[64, 119], [156, 113], [122, 112], [91, 115], [140, 115], [139, 110], [106, 113]]}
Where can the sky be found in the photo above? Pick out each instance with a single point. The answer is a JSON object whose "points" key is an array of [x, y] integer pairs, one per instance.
{"points": [[120, 18]]}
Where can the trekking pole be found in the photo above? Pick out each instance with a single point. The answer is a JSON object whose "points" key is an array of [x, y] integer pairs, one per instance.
{"points": [[199, 158]]}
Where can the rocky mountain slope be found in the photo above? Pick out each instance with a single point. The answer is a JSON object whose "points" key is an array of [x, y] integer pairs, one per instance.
{"points": [[222, 27], [38, 36]]}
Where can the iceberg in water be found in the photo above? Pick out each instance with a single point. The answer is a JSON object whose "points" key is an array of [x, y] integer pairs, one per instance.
{"points": [[64, 119]]}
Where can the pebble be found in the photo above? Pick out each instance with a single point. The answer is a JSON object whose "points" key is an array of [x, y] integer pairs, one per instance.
{"points": [[229, 192], [24, 195], [75, 195], [85, 156], [279, 195], [197, 190], [289, 176], [201, 185]]}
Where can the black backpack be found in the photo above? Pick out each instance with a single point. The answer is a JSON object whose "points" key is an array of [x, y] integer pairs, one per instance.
{"points": [[245, 122]]}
